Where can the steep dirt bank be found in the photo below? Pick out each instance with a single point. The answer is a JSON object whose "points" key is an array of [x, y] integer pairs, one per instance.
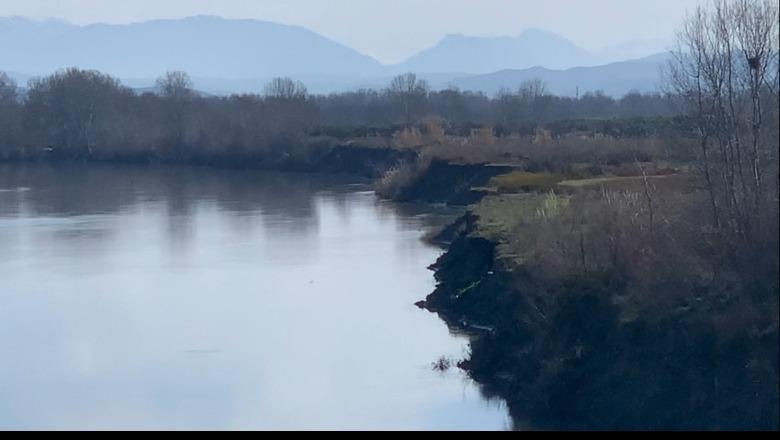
{"points": [[563, 355], [455, 184]]}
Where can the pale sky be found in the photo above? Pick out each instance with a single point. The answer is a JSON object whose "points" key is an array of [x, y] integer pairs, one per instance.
{"points": [[392, 30]]}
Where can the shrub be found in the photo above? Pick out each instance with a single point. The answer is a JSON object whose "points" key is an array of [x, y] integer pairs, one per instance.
{"points": [[401, 176]]}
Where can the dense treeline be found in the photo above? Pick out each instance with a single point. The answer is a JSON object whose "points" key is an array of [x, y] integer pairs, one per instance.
{"points": [[510, 110], [76, 113]]}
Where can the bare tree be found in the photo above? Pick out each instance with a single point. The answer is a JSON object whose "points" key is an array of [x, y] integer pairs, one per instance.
{"points": [[725, 67], [533, 94], [686, 78], [8, 88], [176, 89], [532, 89], [286, 88], [71, 108], [757, 40], [410, 94], [509, 109], [9, 111], [175, 85], [289, 115]]}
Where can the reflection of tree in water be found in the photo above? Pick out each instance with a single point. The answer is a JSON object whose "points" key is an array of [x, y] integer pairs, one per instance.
{"points": [[243, 194], [418, 215], [179, 204], [285, 201], [11, 200], [84, 189], [69, 189], [284, 206], [343, 202]]}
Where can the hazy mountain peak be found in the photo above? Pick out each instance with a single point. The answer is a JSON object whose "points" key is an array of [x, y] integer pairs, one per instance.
{"points": [[202, 45], [452, 38], [539, 33], [472, 54], [204, 17], [545, 37]]}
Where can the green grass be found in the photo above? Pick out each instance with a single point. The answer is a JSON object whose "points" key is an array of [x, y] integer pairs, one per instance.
{"points": [[503, 220]]}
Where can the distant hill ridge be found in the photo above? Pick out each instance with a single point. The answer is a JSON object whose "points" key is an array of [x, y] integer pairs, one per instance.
{"points": [[476, 55], [201, 45], [234, 56], [616, 79]]}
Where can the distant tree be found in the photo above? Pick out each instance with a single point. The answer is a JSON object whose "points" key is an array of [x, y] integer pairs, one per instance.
{"points": [[451, 104], [175, 85], [726, 69], [596, 104], [410, 93], [532, 89], [9, 112], [8, 88], [633, 103], [289, 115], [509, 108], [176, 89], [408, 84], [286, 88], [71, 108], [534, 100]]}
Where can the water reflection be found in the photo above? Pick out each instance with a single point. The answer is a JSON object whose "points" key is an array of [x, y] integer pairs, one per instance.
{"points": [[185, 297]]}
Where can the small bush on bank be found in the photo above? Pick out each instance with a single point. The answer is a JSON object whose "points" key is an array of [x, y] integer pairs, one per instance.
{"points": [[401, 176]]}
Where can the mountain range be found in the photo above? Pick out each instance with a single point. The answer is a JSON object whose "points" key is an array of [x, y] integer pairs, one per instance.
{"points": [[616, 79], [235, 56], [202, 45]]}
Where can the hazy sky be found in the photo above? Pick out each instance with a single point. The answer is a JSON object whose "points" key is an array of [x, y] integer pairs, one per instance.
{"points": [[391, 30]]}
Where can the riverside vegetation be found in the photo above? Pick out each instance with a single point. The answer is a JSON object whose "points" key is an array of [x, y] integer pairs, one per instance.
{"points": [[639, 294], [618, 263]]}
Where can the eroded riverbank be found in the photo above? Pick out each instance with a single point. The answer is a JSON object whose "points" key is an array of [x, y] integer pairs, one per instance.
{"points": [[573, 354]]}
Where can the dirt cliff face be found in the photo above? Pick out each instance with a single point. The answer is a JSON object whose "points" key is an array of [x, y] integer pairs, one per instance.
{"points": [[355, 160], [454, 184], [563, 358]]}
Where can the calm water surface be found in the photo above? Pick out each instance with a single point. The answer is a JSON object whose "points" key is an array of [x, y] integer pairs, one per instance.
{"points": [[136, 297]]}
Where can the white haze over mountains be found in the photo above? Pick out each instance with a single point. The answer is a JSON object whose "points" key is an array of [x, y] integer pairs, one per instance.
{"points": [[239, 56]]}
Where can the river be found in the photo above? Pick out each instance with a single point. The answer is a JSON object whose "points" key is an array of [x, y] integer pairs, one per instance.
{"points": [[136, 297]]}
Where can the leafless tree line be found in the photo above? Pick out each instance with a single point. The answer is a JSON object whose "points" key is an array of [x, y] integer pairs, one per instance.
{"points": [[81, 109], [726, 69]]}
